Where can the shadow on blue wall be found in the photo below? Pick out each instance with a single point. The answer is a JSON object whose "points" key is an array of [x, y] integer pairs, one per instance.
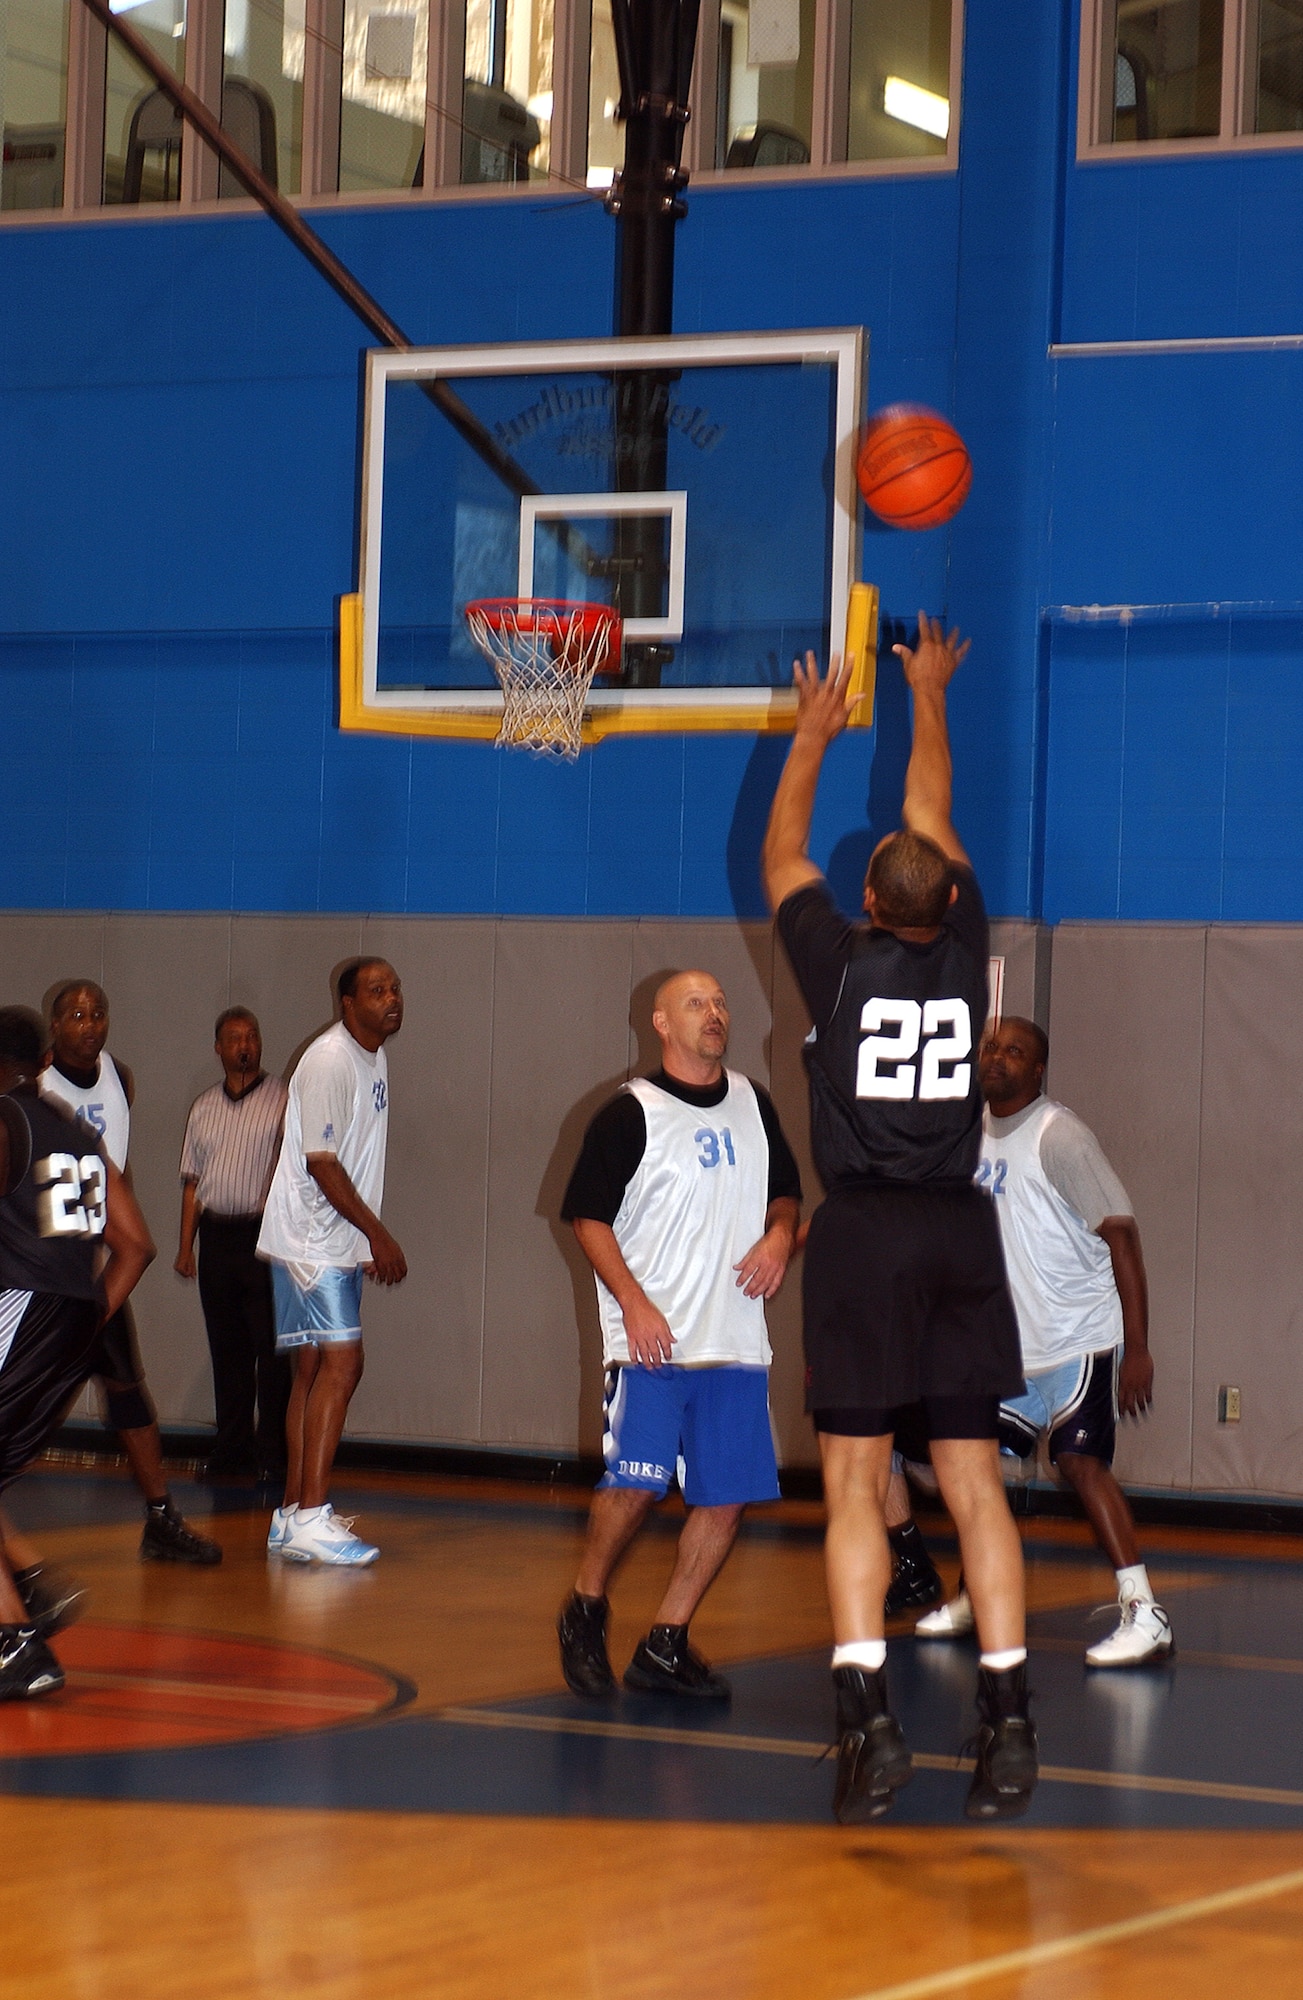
{"points": [[849, 857]]}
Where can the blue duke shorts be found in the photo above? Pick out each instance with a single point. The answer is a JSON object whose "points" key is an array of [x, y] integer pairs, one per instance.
{"points": [[327, 1315], [707, 1427], [1076, 1403]]}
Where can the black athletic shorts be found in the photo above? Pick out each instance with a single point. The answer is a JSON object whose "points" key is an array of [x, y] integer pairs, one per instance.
{"points": [[905, 1298], [115, 1357], [1076, 1405], [914, 1425], [44, 1342]]}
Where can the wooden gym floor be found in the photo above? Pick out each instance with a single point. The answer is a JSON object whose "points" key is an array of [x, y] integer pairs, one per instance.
{"points": [[263, 1780]]}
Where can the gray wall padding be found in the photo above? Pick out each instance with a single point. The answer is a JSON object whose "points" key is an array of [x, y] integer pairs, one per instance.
{"points": [[1176, 1043]]}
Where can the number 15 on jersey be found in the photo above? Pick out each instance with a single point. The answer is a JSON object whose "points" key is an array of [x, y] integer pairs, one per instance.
{"points": [[893, 1032]]}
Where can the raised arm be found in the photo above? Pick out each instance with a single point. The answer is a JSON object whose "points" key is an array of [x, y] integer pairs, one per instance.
{"points": [[929, 669], [822, 712]]}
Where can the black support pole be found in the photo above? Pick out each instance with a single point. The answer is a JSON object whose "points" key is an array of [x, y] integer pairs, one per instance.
{"points": [[654, 41]]}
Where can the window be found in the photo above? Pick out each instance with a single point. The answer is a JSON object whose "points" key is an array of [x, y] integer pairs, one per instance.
{"points": [[765, 69], [262, 88], [900, 79], [143, 135], [507, 96], [382, 93], [33, 94], [394, 99], [1278, 74], [605, 137], [1177, 72]]}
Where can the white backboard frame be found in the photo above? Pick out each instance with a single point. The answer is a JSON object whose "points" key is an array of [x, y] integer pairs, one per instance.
{"points": [[536, 507], [418, 710]]}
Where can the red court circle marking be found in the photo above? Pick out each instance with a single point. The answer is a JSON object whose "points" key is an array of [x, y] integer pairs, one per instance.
{"points": [[140, 1687]]}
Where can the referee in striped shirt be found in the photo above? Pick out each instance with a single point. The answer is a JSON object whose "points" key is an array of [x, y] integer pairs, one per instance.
{"points": [[232, 1139]]}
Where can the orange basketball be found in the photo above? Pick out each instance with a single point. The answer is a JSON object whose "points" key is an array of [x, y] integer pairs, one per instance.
{"points": [[913, 468]]}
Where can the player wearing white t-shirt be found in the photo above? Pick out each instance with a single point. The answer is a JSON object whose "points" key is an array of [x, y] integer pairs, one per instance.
{"points": [[322, 1232], [1077, 1275], [685, 1200]]}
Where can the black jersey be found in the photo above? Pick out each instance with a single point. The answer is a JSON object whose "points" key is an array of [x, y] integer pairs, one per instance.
{"points": [[892, 1058], [52, 1221]]}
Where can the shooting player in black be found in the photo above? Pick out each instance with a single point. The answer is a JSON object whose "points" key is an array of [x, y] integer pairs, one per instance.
{"points": [[62, 1202], [908, 1320]]}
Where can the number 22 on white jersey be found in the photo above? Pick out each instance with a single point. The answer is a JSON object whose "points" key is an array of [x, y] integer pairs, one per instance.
{"points": [[886, 1066]]}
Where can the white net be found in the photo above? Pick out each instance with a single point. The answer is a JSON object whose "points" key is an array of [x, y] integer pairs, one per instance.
{"points": [[544, 655]]}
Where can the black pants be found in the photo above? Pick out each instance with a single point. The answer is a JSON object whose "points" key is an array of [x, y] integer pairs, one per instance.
{"points": [[235, 1292]]}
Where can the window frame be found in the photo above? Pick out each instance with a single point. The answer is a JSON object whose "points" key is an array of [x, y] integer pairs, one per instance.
{"points": [[1095, 89], [84, 137]]}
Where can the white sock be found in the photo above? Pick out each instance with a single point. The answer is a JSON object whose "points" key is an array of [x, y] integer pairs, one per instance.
{"points": [[868, 1654], [306, 1515], [1134, 1582], [1000, 1663]]}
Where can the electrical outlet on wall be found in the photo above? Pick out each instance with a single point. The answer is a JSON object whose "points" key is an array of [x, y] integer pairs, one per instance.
{"points": [[1228, 1405]]}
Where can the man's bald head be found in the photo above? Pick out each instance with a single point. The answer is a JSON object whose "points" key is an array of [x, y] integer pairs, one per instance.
{"points": [[690, 1016]]}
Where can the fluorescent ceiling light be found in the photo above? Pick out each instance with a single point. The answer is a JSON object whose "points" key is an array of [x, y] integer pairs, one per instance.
{"points": [[913, 106]]}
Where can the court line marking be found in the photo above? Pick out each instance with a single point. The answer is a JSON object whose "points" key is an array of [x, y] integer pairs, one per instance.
{"points": [[346, 1704], [783, 1746], [1081, 1941], [1254, 1663]]}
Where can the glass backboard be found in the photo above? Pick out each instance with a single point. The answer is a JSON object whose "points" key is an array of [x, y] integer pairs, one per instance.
{"points": [[703, 485]]}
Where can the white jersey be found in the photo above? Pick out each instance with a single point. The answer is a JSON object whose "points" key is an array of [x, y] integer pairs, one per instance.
{"points": [[338, 1103], [1060, 1271], [103, 1106], [692, 1210]]}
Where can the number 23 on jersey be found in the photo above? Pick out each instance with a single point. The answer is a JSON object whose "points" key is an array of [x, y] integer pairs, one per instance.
{"points": [[70, 1197], [895, 1030]]}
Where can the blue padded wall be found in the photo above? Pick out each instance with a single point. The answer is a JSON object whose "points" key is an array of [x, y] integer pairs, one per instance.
{"points": [[179, 404]]}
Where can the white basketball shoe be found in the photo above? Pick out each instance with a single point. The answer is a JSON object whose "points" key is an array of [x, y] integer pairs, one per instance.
{"points": [[1143, 1632], [327, 1539], [949, 1621], [279, 1529]]}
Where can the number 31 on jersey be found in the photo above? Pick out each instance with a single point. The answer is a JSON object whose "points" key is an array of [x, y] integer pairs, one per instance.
{"points": [[893, 1032]]}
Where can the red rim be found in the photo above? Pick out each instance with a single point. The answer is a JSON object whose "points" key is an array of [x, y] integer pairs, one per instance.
{"points": [[527, 611]]}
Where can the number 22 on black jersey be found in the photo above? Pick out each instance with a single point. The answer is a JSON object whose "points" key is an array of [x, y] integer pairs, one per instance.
{"points": [[893, 1032]]}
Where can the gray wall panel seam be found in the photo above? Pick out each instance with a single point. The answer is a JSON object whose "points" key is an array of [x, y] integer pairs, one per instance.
{"points": [[1198, 1195], [488, 1158]]}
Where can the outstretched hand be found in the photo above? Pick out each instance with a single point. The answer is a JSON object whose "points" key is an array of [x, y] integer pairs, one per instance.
{"points": [[932, 663], [823, 708]]}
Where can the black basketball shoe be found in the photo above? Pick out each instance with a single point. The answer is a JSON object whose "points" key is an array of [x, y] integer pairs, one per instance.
{"points": [[873, 1759], [581, 1628], [664, 1663], [914, 1580], [1006, 1772], [51, 1600], [169, 1539], [27, 1666]]}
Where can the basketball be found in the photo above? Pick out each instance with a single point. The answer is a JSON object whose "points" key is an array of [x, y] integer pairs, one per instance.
{"points": [[913, 468]]}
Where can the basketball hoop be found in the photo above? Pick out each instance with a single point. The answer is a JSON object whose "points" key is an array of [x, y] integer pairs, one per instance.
{"points": [[545, 653]]}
